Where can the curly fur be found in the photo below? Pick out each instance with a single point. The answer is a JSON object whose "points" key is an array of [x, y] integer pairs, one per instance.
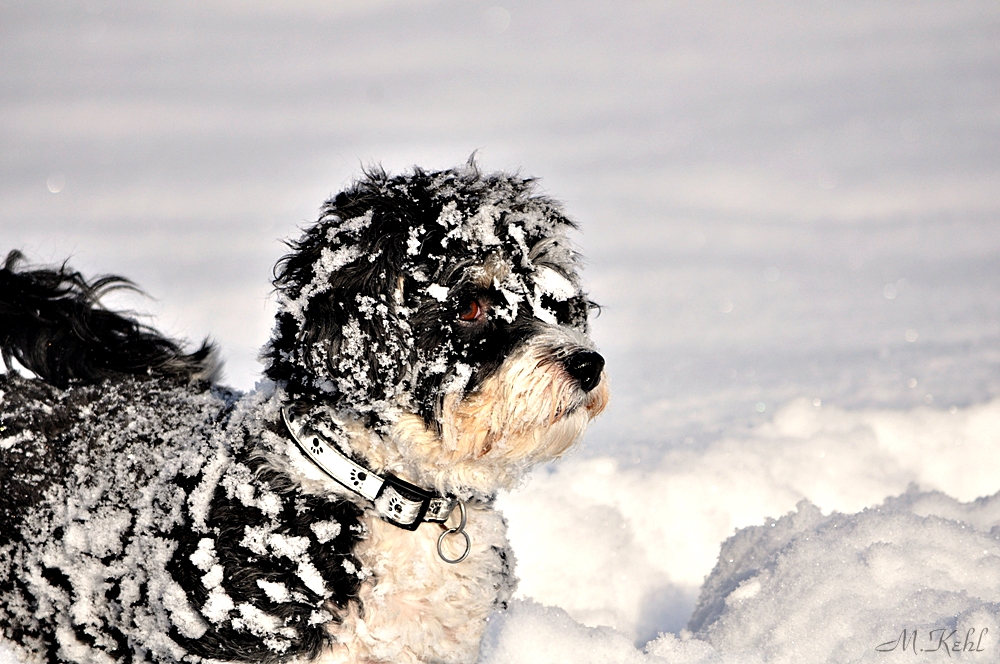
{"points": [[431, 325]]}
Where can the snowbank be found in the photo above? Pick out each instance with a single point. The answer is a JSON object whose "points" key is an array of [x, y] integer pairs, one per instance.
{"points": [[844, 587], [918, 575], [629, 547]]}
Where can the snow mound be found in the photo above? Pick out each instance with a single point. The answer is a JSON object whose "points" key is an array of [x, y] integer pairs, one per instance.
{"points": [[918, 574], [922, 562], [630, 546]]}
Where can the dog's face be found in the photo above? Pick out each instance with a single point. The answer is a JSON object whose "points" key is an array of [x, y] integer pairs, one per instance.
{"points": [[445, 310]]}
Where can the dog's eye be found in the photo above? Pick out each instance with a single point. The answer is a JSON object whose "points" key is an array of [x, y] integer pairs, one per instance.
{"points": [[472, 311]]}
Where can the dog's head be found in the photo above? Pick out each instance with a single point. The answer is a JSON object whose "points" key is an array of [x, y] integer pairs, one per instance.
{"points": [[443, 311]]}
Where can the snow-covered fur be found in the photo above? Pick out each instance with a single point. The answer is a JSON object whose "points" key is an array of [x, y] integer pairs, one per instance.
{"points": [[431, 325]]}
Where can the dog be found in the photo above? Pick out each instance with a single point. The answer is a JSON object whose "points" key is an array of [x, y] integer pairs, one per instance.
{"points": [[430, 347]]}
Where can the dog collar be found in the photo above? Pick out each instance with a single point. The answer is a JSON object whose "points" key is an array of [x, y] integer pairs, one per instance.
{"points": [[396, 501]]}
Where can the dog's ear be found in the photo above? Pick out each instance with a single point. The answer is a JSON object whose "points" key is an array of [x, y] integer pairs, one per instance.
{"points": [[340, 328]]}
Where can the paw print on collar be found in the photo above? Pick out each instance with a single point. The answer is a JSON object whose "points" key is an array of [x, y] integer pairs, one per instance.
{"points": [[357, 477], [395, 505]]}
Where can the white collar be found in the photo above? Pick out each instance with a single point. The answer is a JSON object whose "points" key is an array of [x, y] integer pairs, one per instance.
{"points": [[396, 501]]}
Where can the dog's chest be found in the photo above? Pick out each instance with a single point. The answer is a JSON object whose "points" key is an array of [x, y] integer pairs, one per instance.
{"points": [[415, 607]]}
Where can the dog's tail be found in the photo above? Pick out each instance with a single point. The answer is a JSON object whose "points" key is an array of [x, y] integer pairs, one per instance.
{"points": [[52, 322]]}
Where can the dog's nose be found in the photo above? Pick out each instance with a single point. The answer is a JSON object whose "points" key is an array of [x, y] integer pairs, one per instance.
{"points": [[585, 366]]}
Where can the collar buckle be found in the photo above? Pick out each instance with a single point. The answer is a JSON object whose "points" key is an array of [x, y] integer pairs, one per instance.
{"points": [[401, 503], [407, 506]]}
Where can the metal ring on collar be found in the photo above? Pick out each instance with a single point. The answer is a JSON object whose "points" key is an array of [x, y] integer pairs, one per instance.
{"points": [[460, 529]]}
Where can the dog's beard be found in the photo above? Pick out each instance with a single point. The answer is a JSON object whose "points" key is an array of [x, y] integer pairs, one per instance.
{"points": [[528, 412]]}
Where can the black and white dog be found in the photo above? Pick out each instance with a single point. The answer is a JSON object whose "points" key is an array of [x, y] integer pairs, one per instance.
{"points": [[430, 347]]}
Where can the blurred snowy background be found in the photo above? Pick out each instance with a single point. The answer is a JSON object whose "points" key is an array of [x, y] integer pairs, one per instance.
{"points": [[790, 213]]}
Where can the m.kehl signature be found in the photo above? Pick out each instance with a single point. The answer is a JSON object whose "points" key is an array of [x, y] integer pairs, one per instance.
{"points": [[944, 640]]}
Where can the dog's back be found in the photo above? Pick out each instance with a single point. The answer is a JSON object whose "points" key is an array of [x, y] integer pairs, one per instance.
{"points": [[79, 442], [127, 493], [52, 323], [90, 475]]}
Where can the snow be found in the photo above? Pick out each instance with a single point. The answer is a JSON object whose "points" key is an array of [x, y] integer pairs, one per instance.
{"points": [[276, 592], [438, 292], [864, 577], [809, 587], [645, 538], [204, 557], [218, 605], [789, 215], [325, 530], [552, 283], [840, 460]]}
